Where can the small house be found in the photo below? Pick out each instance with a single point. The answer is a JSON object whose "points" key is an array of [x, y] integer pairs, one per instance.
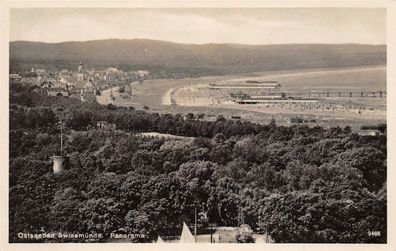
{"points": [[370, 133], [105, 126], [57, 92]]}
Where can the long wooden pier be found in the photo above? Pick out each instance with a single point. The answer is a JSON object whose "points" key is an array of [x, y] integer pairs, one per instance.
{"points": [[328, 94]]}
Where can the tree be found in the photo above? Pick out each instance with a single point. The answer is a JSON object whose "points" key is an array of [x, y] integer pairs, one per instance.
{"points": [[103, 215], [224, 202], [79, 120], [370, 161], [139, 223], [244, 234], [64, 215]]}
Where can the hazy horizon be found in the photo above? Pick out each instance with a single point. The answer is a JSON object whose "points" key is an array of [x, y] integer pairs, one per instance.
{"points": [[244, 26], [166, 41]]}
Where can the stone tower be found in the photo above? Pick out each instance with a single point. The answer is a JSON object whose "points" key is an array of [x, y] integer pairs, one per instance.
{"points": [[57, 164], [58, 160]]}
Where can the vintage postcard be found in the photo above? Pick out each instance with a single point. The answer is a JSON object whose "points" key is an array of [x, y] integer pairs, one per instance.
{"points": [[260, 124]]}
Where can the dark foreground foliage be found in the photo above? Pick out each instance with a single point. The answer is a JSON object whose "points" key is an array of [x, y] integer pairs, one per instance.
{"points": [[298, 184]]}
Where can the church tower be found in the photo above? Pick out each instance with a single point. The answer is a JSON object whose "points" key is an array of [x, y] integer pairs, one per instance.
{"points": [[80, 72]]}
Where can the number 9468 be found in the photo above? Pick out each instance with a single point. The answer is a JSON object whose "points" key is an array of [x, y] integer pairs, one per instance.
{"points": [[374, 233]]}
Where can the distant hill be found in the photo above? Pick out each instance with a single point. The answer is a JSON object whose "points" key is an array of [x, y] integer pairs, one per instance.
{"points": [[215, 58]]}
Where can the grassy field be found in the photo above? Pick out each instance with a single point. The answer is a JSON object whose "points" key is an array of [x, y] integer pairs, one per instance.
{"points": [[155, 94]]}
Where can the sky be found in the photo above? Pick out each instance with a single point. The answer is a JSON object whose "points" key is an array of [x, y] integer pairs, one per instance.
{"points": [[202, 26]]}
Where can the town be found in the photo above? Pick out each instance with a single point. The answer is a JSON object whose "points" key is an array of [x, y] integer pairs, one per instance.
{"points": [[80, 83]]}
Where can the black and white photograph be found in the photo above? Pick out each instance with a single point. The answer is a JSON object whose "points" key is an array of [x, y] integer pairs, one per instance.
{"points": [[261, 126]]}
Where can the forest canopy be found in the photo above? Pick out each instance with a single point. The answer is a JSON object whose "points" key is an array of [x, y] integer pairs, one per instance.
{"points": [[297, 183]]}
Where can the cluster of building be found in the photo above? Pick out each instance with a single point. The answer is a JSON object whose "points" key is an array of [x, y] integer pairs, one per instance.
{"points": [[240, 92], [83, 83]]}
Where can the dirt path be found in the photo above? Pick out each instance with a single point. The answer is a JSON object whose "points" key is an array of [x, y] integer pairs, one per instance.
{"points": [[167, 97]]}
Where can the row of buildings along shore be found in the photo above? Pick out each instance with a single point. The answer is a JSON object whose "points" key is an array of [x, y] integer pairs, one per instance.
{"points": [[82, 83]]}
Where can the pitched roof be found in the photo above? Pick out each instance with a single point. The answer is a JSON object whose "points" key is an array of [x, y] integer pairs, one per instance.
{"points": [[80, 84], [69, 79], [56, 89]]}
